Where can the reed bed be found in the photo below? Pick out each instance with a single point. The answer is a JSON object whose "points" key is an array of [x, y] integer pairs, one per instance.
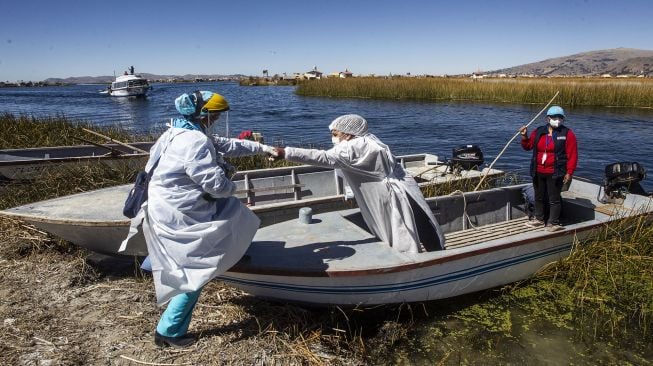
{"points": [[258, 81], [609, 281], [28, 131], [636, 93]]}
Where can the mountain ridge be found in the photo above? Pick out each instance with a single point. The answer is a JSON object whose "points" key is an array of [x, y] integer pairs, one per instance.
{"points": [[615, 61]]}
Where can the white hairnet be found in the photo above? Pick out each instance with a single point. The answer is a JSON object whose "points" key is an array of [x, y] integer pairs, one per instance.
{"points": [[351, 124]]}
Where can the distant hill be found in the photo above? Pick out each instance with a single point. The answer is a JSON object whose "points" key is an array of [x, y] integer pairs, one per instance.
{"points": [[108, 79], [615, 61]]}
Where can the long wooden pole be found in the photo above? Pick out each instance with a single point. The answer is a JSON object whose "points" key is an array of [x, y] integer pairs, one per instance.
{"points": [[511, 140], [116, 142]]}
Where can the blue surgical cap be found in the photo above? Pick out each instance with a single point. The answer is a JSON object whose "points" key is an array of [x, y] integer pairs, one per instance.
{"points": [[185, 103]]}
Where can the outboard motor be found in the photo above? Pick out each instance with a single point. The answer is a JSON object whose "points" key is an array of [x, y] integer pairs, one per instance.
{"points": [[467, 157], [622, 178]]}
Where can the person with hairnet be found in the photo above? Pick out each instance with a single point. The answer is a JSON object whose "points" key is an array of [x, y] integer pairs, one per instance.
{"points": [[390, 200], [195, 229]]}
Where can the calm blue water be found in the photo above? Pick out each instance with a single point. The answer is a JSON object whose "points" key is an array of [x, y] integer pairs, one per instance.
{"points": [[605, 135]]}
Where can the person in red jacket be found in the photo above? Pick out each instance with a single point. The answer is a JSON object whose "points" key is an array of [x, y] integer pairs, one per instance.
{"points": [[554, 160]]}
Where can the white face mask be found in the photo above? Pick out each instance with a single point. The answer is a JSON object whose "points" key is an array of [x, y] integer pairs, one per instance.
{"points": [[555, 123], [335, 140]]}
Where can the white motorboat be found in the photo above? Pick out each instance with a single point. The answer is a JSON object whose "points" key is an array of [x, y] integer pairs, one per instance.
{"points": [[129, 85]]}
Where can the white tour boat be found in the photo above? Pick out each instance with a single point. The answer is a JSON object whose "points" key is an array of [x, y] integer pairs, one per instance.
{"points": [[129, 85]]}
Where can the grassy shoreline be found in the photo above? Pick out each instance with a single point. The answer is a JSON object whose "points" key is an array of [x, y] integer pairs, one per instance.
{"points": [[633, 93], [24, 131], [601, 296]]}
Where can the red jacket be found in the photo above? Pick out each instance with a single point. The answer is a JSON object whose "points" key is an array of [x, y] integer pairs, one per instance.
{"points": [[546, 145]]}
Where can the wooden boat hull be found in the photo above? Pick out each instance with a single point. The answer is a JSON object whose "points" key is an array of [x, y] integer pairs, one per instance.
{"points": [[310, 264], [94, 219]]}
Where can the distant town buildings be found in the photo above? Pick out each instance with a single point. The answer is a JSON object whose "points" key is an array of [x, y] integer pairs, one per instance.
{"points": [[316, 74], [313, 74]]}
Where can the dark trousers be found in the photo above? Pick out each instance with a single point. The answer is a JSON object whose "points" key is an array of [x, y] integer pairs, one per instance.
{"points": [[548, 187]]}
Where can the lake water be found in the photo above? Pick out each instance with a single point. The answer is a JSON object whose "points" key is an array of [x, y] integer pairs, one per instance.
{"points": [[605, 134]]}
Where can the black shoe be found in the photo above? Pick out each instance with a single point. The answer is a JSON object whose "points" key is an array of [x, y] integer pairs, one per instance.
{"points": [[176, 342]]}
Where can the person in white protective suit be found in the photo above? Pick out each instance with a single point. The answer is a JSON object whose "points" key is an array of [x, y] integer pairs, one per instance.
{"points": [[390, 200], [195, 229]]}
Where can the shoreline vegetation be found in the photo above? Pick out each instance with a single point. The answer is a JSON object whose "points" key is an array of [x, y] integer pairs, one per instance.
{"points": [[62, 305], [634, 93], [262, 81]]}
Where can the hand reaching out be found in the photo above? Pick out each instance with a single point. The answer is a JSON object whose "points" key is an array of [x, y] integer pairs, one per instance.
{"points": [[281, 152], [270, 151]]}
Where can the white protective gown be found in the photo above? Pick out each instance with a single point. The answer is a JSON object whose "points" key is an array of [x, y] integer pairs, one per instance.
{"points": [[194, 228], [382, 190]]}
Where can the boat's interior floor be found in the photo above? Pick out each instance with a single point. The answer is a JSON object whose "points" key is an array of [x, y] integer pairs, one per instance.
{"points": [[319, 247]]}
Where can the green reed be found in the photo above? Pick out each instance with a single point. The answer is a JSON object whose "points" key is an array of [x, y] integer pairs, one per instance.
{"points": [[258, 81], [609, 279], [636, 93], [453, 186], [30, 131]]}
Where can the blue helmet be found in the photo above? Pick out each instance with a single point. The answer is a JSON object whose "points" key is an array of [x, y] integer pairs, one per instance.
{"points": [[555, 110]]}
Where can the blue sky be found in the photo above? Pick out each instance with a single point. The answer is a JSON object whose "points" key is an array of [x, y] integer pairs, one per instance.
{"points": [[41, 39]]}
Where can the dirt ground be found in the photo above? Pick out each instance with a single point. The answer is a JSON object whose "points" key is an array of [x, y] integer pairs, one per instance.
{"points": [[61, 305]]}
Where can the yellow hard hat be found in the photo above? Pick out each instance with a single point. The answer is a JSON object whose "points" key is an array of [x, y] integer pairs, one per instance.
{"points": [[216, 103]]}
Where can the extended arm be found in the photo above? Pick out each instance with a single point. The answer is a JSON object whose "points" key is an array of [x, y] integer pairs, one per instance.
{"points": [[323, 158], [235, 147]]}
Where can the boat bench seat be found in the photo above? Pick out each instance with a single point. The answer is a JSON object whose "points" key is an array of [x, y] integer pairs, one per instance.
{"points": [[484, 233]]}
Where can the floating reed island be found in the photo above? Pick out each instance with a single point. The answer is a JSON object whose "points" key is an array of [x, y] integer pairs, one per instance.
{"points": [[637, 93]]}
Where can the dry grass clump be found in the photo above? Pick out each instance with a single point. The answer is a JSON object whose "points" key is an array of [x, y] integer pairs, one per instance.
{"points": [[74, 307], [460, 185]]}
